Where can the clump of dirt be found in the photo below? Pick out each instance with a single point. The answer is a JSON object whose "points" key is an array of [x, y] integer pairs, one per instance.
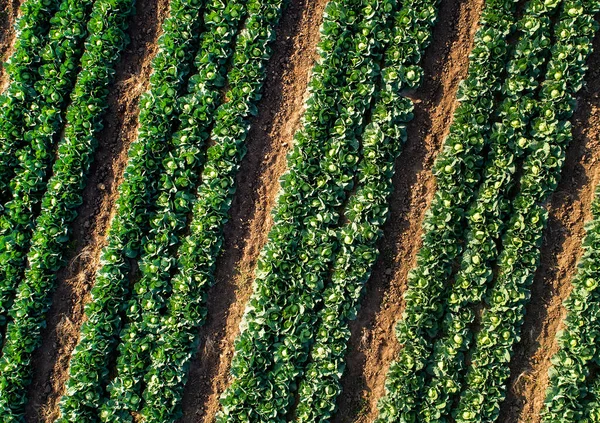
{"points": [[268, 142], [373, 344], [9, 10], [51, 360], [569, 209]]}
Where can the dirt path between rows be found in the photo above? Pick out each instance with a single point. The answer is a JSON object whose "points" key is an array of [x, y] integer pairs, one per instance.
{"points": [[269, 140], [569, 208], [373, 343], [9, 10], [51, 360]]}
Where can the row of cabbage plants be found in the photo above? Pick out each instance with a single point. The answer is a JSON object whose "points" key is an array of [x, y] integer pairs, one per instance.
{"points": [[458, 171], [32, 30], [89, 366], [59, 65], [550, 133], [486, 216], [178, 184], [278, 323], [366, 211], [579, 340], [591, 412], [64, 195], [186, 307]]}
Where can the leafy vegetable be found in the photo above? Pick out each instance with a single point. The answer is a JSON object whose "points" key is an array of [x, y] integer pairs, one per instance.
{"points": [[278, 327], [550, 134], [199, 250], [32, 32], [158, 111], [366, 211], [75, 153], [458, 170], [59, 65], [488, 212], [569, 381], [182, 168]]}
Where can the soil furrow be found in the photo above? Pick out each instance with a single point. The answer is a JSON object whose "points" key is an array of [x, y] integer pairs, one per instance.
{"points": [[373, 342], [569, 209], [269, 140], [51, 360], [9, 11]]}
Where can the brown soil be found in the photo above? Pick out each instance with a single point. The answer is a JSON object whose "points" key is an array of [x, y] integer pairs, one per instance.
{"points": [[569, 208], [373, 343], [51, 360], [9, 10], [269, 140]]}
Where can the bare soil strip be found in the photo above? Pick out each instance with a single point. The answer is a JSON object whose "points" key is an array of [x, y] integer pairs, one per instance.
{"points": [[373, 343], [269, 140], [9, 10], [569, 209], [51, 360]]}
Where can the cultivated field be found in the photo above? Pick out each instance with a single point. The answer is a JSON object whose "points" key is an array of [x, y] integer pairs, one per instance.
{"points": [[301, 210]]}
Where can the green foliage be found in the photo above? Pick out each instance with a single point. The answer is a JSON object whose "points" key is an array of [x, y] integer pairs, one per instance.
{"points": [[458, 171], [570, 372], [366, 211], [58, 69], [486, 216], [158, 111], [32, 33], [550, 133], [198, 252], [182, 168], [75, 154], [278, 326]]}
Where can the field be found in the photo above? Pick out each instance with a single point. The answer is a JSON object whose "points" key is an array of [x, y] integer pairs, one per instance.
{"points": [[256, 210]]}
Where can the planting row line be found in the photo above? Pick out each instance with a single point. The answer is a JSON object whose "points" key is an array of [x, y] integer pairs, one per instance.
{"points": [[57, 74], [32, 30], [486, 217], [366, 211], [75, 153], [177, 187], [458, 171], [570, 371], [550, 134], [90, 361]]}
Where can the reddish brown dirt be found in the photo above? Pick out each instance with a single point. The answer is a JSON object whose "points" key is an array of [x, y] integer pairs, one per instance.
{"points": [[51, 360], [568, 208], [269, 140], [373, 343], [9, 10]]}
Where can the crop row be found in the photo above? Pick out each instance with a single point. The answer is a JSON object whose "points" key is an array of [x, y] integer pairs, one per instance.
{"points": [[89, 367], [152, 291], [289, 279], [550, 133], [58, 209], [366, 210], [198, 253], [57, 73], [458, 172], [508, 140], [22, 68], [578, 342]]}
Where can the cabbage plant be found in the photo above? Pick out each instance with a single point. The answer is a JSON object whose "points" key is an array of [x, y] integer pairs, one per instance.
{"points": [[488, 212], [59, 204], [89, 373], [366, 210], [59, 65], [458, 171], [550, 132], [32, 33], [176, 189]]}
